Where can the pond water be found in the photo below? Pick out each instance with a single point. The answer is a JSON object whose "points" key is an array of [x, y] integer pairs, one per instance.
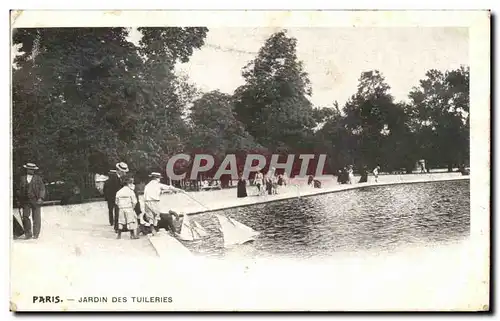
{"points": [[366, 219]]}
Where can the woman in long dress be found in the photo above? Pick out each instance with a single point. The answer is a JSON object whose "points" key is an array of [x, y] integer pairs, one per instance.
{"points": [[350, 172], [268, 184], [375, 173], [259, 181], [364, 175], [274, 181], [242, 187]]}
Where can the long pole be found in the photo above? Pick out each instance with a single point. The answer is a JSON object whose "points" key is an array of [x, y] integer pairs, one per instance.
{"points": [[194, 199]]}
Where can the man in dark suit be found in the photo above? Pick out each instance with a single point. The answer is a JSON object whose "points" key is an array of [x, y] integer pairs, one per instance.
{"points": [[109, 187], [113, 185], [31, 193]]}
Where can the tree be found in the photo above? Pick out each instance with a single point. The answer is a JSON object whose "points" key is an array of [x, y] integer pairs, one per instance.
{"points": [[373, 118], [94, 98], [321, 115], [334, 138], [440, 112], [273, 104], [80, 87], [215, 127], [162, 131]]}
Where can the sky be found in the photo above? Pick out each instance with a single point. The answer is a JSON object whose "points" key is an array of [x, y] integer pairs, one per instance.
{"points": [[333, 57]]}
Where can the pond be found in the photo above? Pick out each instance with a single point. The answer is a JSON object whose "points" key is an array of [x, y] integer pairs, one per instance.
{"points": [[366, 219]]}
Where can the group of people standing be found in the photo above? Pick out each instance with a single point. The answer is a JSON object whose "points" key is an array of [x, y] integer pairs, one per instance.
{"points": [[124, 208], [346, 175], [265, 183]]}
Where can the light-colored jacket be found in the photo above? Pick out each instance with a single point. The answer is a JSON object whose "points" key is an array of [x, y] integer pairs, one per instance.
{"points": [[153, 190], [125, 198]]}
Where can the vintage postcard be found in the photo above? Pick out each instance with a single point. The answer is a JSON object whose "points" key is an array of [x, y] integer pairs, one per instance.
{"points": [[250, 161]]}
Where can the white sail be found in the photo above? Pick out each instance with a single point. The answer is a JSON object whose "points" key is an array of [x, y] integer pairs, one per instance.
{"points": [[243, 227], [17, 216], [199, 229], [190, 232], [234, 232], [186, 233]]}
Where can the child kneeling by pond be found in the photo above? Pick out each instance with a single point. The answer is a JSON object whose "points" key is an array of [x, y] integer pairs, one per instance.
{"points": [[126, 202]]}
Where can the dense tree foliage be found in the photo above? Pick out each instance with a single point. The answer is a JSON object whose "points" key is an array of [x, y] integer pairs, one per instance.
{"points": [[372, 129], [85, 98], [274, 103], [440, 114], [215, 127]]}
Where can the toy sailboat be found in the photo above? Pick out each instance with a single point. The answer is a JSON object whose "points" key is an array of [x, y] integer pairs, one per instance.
{"points": [[191, 231], [199, 229], [234, 232]]}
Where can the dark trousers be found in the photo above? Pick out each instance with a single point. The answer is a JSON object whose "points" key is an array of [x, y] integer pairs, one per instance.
{"points": [[111, 212], [34, 210], [116, 217]]}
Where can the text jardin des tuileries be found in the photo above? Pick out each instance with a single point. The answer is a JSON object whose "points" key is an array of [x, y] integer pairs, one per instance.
{"points": [[125, 299]]}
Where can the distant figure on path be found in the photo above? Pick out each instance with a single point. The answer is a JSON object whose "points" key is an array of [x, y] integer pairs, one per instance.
{"points": [[364, 175], [269, 184], [152, 193], [375, 173], [345, 175], [242, 187], [274, 182], [422, 166], [258, 181], [350, 174], [310, 180], [126, 201], [285, 179], [281, 180], [30, 195]]}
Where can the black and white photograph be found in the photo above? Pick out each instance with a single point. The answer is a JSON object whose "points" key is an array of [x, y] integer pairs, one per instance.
{"points": [[250, 161]]}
